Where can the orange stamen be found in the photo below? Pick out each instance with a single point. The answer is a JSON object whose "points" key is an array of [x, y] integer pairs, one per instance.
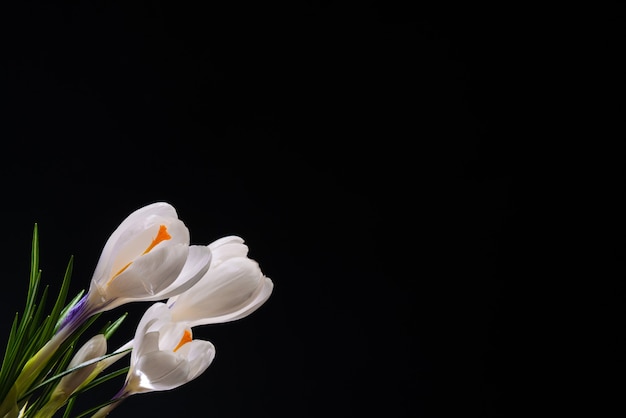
{"points": [[162, 235], [184, 340]]}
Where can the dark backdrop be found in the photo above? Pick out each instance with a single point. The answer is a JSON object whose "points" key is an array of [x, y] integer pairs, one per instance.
{"points": [[368, 155]]}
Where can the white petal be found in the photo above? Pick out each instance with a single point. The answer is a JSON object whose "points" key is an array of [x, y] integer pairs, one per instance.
{"points": [[170, 335], [134, 222], [138, 240], [227, 251], [149, 344], [197, 264], [263, 294], [161, 370], [199, 354], [224, 290], [147, 276], [158, 312], [230, 239]]}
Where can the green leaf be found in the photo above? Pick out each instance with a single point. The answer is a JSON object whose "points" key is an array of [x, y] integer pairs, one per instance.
{"points": [[102, 379], [69, 407], [95, 409], [9, 354], [9, 408], [17, 353], [35, 277], [113, 327], [35, 273], [73, 369], [36, 319], [58, 310], [43, 397]]}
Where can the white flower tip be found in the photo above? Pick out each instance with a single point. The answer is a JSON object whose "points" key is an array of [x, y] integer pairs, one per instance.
{"points": [[230, 239]]}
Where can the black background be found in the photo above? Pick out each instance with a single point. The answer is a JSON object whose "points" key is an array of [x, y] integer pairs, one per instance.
{"points": [[373, 158]]}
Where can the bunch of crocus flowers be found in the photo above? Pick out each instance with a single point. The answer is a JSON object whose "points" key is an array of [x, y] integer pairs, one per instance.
{"points": [[47, 362]]}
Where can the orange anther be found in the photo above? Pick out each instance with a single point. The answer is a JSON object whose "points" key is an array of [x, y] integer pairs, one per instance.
{"points": [[184, 340], [162, 235]]}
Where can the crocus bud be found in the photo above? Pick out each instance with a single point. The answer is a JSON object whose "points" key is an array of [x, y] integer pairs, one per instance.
{"points": [[95, 347]]}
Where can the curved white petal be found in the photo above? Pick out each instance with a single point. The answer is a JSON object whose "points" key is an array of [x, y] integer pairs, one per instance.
{"points": [[227, 251], [149, 322], [229, 239], [221, 250], [170, 335], [197, 264], [230, 290], [136, 221], [157, 371], [199, 355], [255, 302], [139, 240], [143, 279], [140, 218]]}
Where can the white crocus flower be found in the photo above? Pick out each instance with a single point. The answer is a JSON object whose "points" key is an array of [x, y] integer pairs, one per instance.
{"points": [[232, 288], [147, 258], [142, 258], [164, 356]]}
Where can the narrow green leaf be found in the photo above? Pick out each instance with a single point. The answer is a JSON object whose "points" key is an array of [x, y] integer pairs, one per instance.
{"points": [[35, 275], [43, 334], [8, 350], [68, 371], [69, 407], [16, 348], [6, 380], [29, 349], [34, 258], [57, 310], [37, 315], [60, 352], [46, 389], [21, 353], [113, 327], [10, 340], [102, 379], [22, 335], [8, 406], [93, 410]]}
